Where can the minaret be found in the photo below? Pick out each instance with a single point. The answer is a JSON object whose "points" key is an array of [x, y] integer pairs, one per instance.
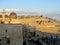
{"points": [[3, 15]]}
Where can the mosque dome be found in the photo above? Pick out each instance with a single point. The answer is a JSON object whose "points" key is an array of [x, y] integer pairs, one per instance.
{"points": [[13, 15]]}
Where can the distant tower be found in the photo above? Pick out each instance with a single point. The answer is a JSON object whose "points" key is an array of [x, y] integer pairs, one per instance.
{"points": [[3, 15]]}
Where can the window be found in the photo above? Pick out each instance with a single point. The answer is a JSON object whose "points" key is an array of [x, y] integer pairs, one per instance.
{"points": [[6, 30]]}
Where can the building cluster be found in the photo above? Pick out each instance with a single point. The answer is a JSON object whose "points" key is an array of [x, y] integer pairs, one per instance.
{"points": [[14, 34], [15, 31], [4, 18], [18, 34]]}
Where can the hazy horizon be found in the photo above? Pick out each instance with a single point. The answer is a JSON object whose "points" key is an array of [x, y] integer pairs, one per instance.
{"points": [[49, 8]]}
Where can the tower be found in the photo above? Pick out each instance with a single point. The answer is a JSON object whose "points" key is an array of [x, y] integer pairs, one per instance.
{"points": [[3, 15]]}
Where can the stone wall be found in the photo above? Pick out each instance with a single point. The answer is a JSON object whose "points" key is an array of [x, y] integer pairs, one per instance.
{"points": [[13, 32]]}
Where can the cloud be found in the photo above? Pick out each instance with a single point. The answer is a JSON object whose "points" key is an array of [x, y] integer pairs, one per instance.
{"points": [[54, 17], [31, 12], [21, 11]]}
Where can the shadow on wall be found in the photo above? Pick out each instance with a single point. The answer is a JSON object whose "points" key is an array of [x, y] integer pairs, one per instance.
{"points": [[40, 38]]}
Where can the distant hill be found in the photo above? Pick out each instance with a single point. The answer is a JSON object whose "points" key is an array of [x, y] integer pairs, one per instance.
{"points": [[41, 23]]}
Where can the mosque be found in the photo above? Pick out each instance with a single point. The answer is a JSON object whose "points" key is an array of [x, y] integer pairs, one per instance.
{"points": [[8, 18]]}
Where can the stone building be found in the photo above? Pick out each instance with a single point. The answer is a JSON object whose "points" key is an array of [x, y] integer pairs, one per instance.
{"points": [[11, 34]]}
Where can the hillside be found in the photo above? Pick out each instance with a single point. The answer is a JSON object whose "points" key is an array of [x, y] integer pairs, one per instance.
{"points": [[41, 23]]}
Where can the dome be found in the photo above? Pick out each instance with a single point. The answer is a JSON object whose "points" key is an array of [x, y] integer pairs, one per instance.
{"points": [[13, 15]]}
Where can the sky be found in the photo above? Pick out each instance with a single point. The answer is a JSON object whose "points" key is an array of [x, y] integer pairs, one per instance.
{"points": [[48, 7]]}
